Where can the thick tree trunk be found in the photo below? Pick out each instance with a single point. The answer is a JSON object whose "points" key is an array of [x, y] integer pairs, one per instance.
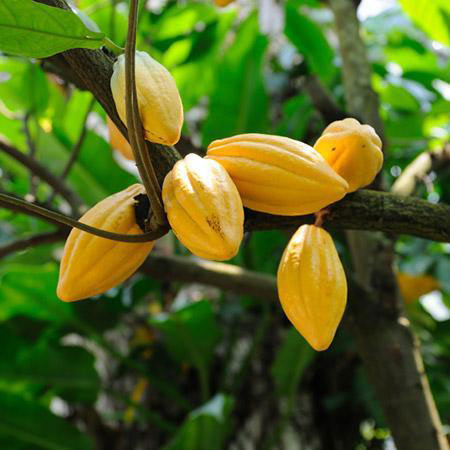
{"points": [[386, 344]]}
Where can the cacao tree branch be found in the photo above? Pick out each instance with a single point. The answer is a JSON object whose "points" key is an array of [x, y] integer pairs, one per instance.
{"points": [[76, 148], [385, 342], [32, 241], [40, 171], [361, 210]]}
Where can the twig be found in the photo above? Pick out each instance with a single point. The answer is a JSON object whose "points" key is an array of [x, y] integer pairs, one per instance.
{"points": [[40, 171], [32, 241], [31, 152], [55, 217], [416, 171], [322, 100], [76, 148]]}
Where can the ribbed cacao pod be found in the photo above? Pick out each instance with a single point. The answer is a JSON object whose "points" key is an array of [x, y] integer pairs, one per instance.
{"points": [[352, 150], [90, 264], [158, 98], [312, 286], [118, 141], [414, 286], [278, 175], [204, 208]]}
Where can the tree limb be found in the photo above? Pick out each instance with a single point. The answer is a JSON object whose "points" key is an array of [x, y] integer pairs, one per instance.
{"points": [[32, 241], [177, 268], [385, 342], [370, 210], [361, 210]]}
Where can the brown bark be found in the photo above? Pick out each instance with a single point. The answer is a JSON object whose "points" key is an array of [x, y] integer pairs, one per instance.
{"points": [[385, 341]]}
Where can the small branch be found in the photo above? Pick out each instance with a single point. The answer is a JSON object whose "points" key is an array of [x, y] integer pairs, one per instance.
{"points": [[40, 171], [55, 217], [31, 152], [178, 268], [39, 239], [224, 276], [417, 170], [322, 100], [76, 148]]}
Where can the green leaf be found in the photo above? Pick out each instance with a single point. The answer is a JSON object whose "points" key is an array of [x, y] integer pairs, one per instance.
{"points": [[239, 102], [35, 89], [309, 40], [292, 359], [32, 29], [33, 295], [29, 422], [433, 17], [206, 427], [69, 371], [190, 334]]}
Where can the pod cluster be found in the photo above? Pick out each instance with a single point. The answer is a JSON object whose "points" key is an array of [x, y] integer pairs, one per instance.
{"points": [[204, 199]]}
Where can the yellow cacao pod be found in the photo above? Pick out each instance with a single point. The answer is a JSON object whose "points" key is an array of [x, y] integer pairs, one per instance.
{"points": [[278, 175], [312, 286], [414, 286], [352, 150], [204, 208], [90, 264], [222, 3], [118, 141], [159, 101]]}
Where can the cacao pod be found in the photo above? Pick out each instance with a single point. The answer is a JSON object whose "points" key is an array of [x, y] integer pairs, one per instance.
{"points": [[204, 208], [158, 98], [278, 175], [414, 286], [118, 141], [91, 264], [312, 286], [352, 150], [222, 3]]}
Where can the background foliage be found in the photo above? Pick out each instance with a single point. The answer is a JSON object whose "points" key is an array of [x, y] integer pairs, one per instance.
{"points": [[166, 365]]}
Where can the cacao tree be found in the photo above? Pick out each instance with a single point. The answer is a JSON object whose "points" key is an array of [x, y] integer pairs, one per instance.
{"points": [[142, 142]]}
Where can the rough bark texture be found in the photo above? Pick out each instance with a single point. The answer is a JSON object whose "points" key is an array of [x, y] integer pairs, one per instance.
{"points": [[370, 210], [385, 342]]}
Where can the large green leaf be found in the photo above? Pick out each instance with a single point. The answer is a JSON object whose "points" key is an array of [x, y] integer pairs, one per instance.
{"points": [[32, 29], [33, 424], [432, 16], [239, 101], [69, 371], [292, 359], [32, 295], [309, 40], [190, 333], [205, 428]]}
